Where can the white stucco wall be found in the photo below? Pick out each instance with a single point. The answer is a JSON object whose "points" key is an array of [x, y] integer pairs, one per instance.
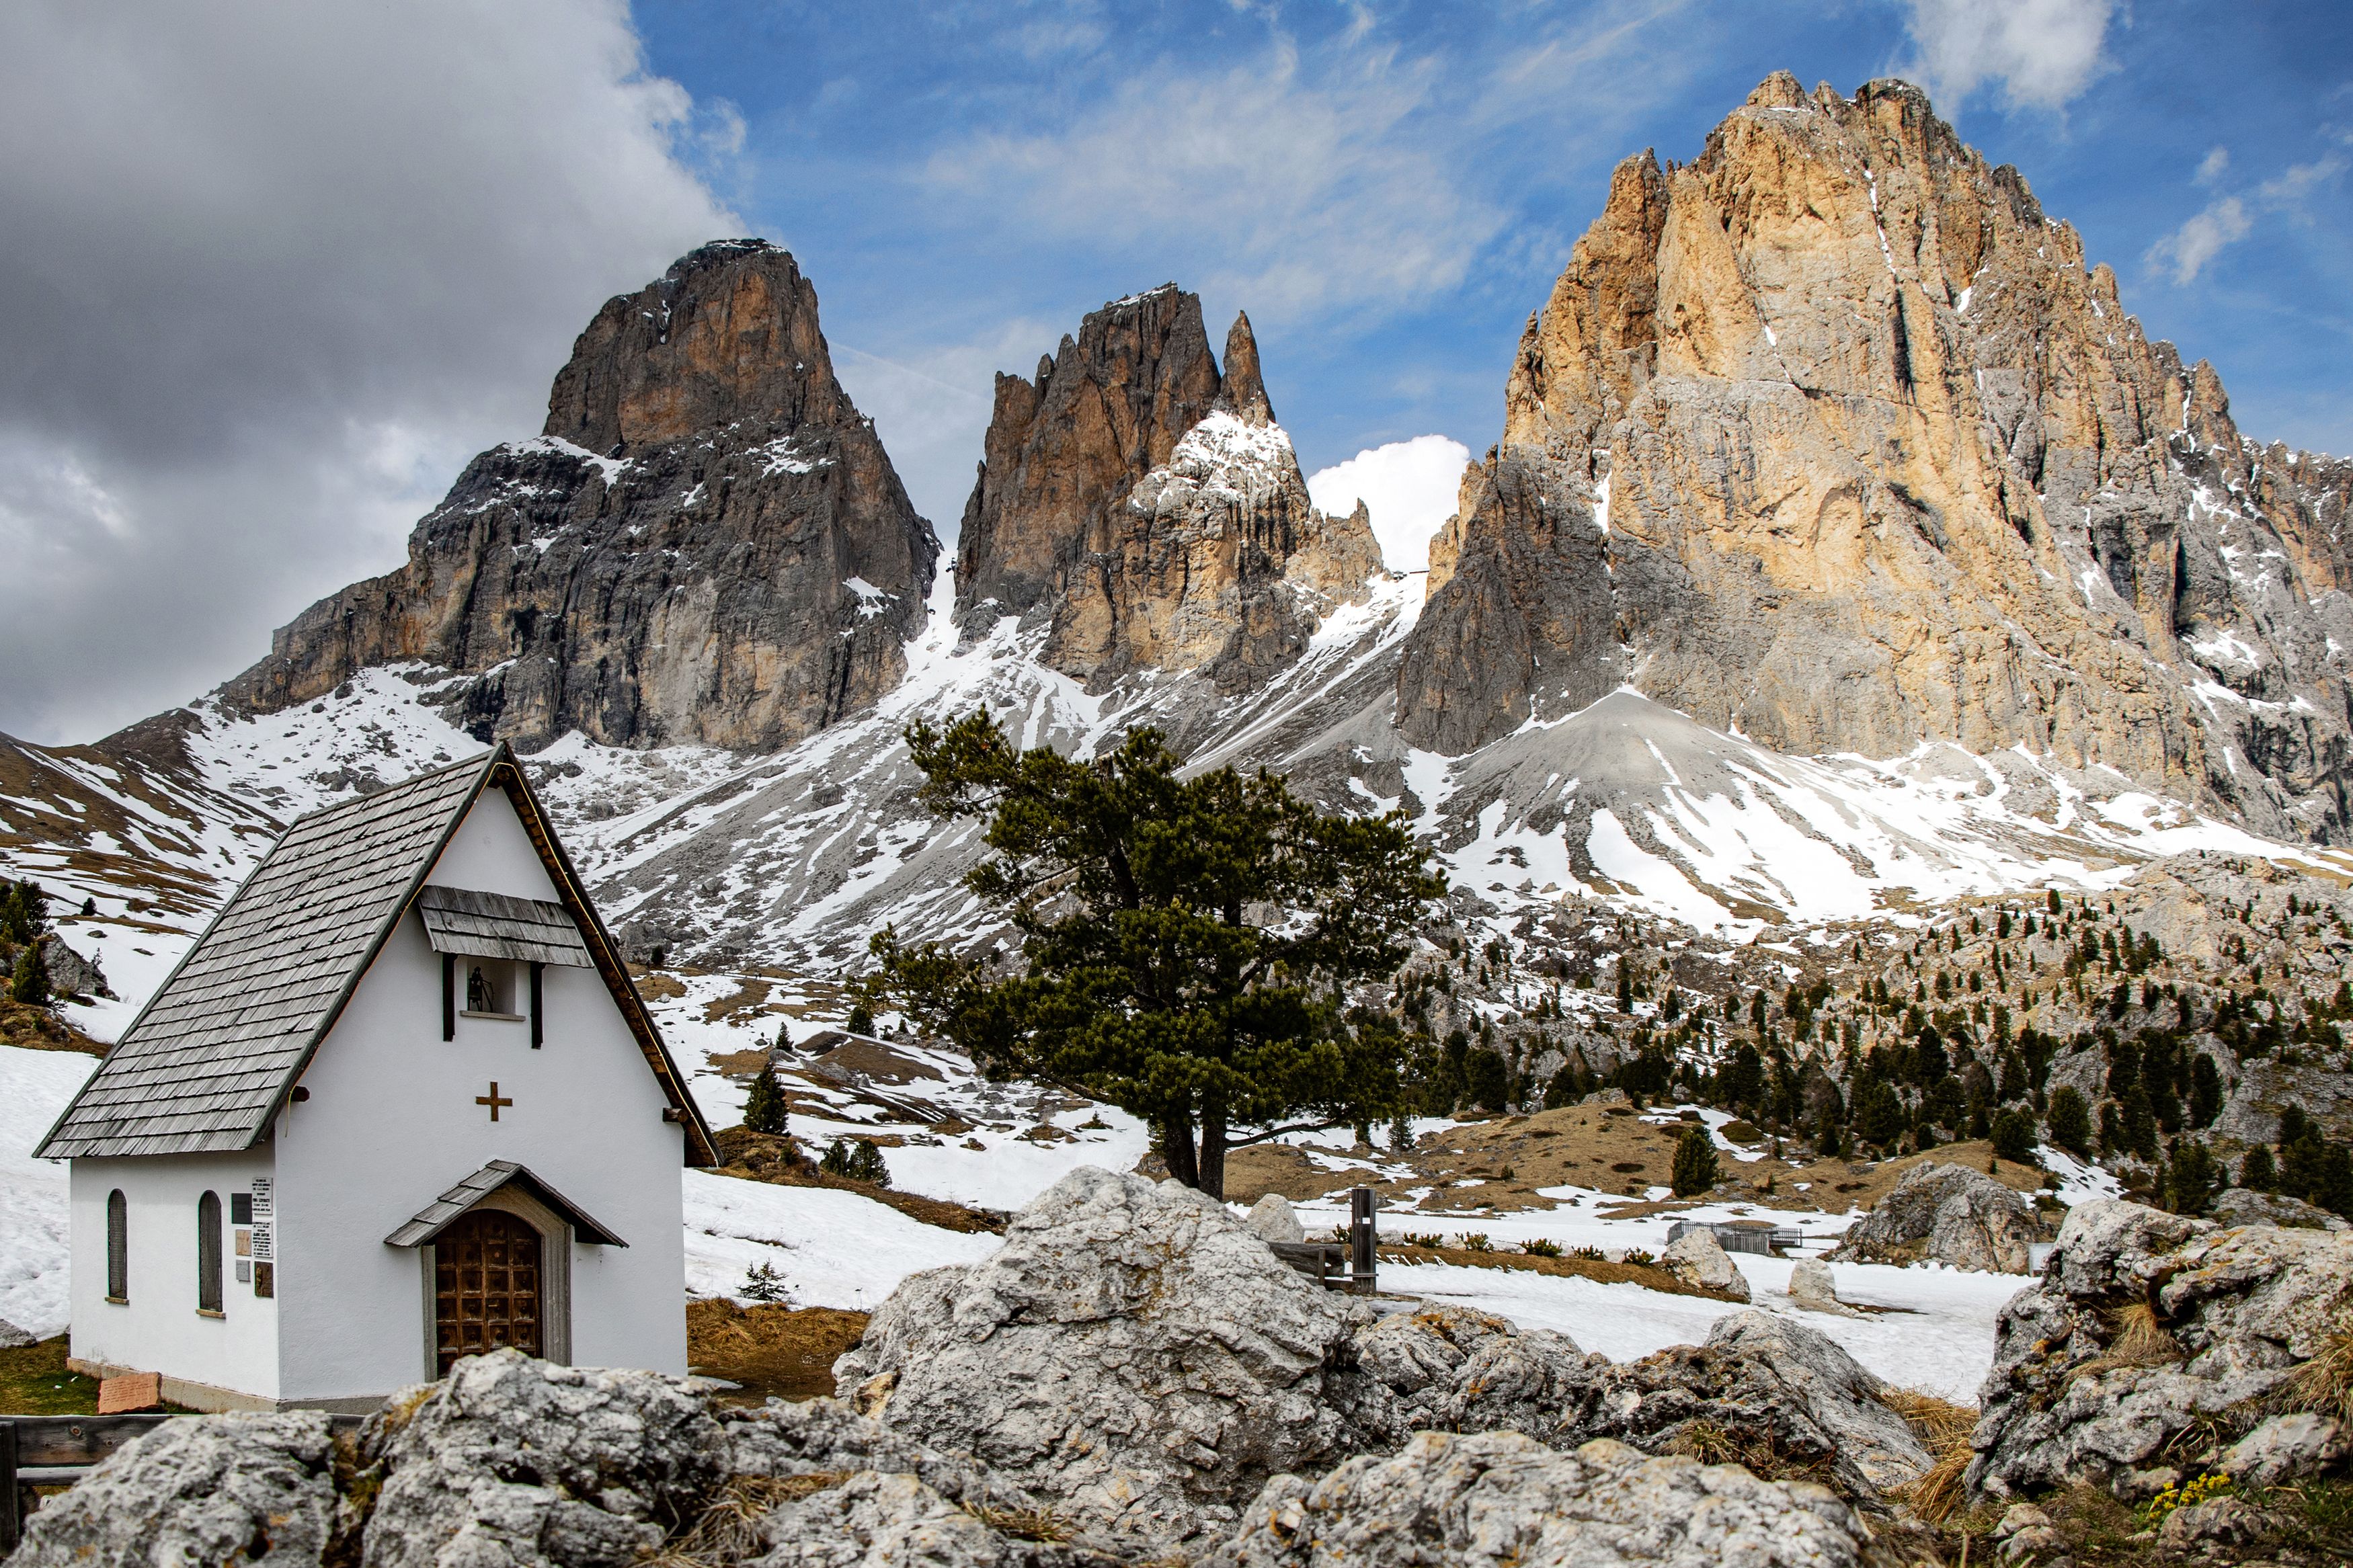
{"points": [[391, 1123], [159, 1328]]}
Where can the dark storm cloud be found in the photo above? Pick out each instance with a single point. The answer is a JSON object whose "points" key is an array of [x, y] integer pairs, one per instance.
{"points": [[267, 274]]}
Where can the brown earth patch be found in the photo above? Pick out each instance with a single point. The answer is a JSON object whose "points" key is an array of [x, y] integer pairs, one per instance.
{"points": [[772, 1350], [38, 1029]]}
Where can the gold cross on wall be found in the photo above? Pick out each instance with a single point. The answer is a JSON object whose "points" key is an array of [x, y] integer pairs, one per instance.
{"points": [[493, 1100]]}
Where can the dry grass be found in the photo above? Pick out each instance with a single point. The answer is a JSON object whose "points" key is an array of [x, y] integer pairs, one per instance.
{"points": [[2135, 1339], [1712, 1444], [1944, 1429], [770, 1349], [2325, 1383], [1021, 1524], [728, 1530]]}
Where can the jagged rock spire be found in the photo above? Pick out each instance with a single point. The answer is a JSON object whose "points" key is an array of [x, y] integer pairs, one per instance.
{"points": [[1245, 393]]}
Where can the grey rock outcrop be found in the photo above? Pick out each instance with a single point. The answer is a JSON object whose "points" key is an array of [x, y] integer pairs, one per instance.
{"points": [[257, 1490], [1779, 1394], [1149, 511], [1698, 1259], [519, 1462], [71, 972], [2147, 1338], [2287, 1448], [1950, 1214], [1498, 1499], [871, 1520], [1453, 1369], [707, 543], [1812, 1287], [2241, 1206], [1272, 1220], [1132, 1354], [14, 1338]]}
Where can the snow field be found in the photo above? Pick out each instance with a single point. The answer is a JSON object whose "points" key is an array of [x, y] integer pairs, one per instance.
{"points": [[34, 1261]]}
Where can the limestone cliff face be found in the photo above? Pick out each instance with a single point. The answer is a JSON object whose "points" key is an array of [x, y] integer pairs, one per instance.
{"points": [[1149, 511], [1831, 437], [707, 544]]}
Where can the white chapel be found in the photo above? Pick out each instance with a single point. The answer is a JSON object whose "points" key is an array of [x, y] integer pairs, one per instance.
{"points": [[399, 1104]]}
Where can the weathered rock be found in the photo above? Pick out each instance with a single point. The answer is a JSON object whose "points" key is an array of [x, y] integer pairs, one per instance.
{"points": [[1149, 510], [210, 1489], [1453, 1370], [1698, 1259], [511, 1461], [707, 544], [1951, 1214], [1500, 1498], [1812, 1287], [1271, 1220], [889, 1520], [1132, 1354], [1831, 437], [2217, 1522], [2240, 1206], [2021, 1515], [2147, 1332], [2287, 1448], [70, 974], [14, 1338], [1763, 1389]]}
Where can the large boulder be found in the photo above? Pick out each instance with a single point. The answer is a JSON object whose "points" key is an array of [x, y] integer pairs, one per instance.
{"points": [[255, 1489], [2242, 1206], [519, 1463], [1275, 1222], [1450, 1369], [1769, 1392], [1132, 1353], [1499, 1498], [2151, 1341], [1699, 1260], [1950, 1214]]}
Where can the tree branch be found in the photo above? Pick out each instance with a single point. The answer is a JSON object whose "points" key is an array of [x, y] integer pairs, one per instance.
{"points": [[1301, 1127]]}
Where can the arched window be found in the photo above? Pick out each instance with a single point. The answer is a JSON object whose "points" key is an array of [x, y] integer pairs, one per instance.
{"points": [[208, 1253], [118, 1247]]}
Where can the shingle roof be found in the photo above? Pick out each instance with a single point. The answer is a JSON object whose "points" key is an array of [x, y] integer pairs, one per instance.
{"points": [[438, 1215], [203, 1067], [495, 925]]}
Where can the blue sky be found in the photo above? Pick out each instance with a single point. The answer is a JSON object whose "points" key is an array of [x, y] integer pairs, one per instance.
{"points": [[1390, 190], [271, 275]]}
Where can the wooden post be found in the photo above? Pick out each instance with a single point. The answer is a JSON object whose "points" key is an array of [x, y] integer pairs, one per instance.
{"points": [[1360, 1239], [12, 1518]]}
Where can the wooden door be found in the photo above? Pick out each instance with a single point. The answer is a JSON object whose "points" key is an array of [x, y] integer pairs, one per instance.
{"points": [[487, 1289]]}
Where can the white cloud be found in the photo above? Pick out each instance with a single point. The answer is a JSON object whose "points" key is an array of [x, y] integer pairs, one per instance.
{"points": [[2043, 52], [1410, 486], [2184, 253], [275, 273], [2213, 166]]}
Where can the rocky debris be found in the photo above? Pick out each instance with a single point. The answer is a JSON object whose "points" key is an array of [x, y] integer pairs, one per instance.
{"points": [[707, 544], [252, 1489], [1786, 448], [1132, 1354], [1149, 511], [1272, 1221], [2217, 1522], [875, 1521], [2241, 1206], [522, 1462], [1494, 1499], [70, 974], [1951, 1213], [14, 1338], [2150, 1341], [2287, 1448], [1453, 1370], [1769, 1392], [1812, 1287], [1699, 1260]]}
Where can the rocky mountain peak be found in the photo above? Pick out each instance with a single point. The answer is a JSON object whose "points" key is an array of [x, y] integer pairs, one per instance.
{"points": [[707, 544], [1833, 438], [730, 333], [1145, 506]]}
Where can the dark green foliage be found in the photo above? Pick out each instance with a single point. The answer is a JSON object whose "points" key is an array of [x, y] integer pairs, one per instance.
{"points": [[1695, 1170], [1185, 938], [1741, 1085], [1566, 1087], [762, 1283], [30, 983], [24, 912], [1625, 986], [763, 1106], [861, 1019], [2139, 1122], [1486, 1079], [2190, 1178], [2013, 1137], [856, 1159], [2205, 1091], [2069, 1122], [2332, 1187], [2258, 1171], [1879, 1116]]}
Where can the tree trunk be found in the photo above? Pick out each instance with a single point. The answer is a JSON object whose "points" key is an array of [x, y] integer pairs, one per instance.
{"points": [[1213, 1151], [1176, 1148]]}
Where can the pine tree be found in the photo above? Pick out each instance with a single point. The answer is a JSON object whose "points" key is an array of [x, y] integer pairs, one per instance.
{"points": [[763, 1106], [1183, 939], [763, 1283], [1695, 1170], [1879, 1115], [2069, 1120], [857, 1160], [860, 1020], [2190, 1178], [30, 983], [2205, 1091], [2014, 1138], [2257, 1171], [1486, 1079]]}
